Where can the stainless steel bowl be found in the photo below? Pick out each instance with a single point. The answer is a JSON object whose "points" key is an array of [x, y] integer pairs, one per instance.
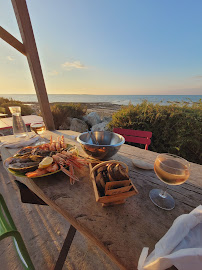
{"points": [[108, 144]]}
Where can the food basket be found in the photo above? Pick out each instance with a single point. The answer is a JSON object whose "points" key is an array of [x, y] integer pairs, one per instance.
{"points": [[112, 191]]}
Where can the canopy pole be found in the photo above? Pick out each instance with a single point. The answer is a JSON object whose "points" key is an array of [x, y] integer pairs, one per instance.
{"points": [[26, 31], [7, 37]]}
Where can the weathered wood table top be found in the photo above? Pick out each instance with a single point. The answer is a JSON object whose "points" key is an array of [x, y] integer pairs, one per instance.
{"points": [[120, 231]]}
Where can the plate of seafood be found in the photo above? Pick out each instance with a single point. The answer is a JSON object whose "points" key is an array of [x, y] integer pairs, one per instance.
{"points": [[46, 159]]}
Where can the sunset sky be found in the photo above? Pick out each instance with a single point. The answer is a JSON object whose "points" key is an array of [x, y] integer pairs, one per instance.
{"points": [[108, 47]]}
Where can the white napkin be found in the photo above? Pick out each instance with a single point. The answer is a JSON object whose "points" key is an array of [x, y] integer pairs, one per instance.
{"points": [[181, 246], [21, 143]]}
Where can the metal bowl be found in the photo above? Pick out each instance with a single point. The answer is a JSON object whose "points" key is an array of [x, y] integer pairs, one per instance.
{"points": [[108, 144]]}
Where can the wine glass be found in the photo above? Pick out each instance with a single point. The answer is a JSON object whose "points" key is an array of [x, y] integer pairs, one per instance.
{"points": [[172, 170], [39, 128]]}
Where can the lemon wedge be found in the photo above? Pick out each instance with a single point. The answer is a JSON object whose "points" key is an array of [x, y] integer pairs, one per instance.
{"points": [[45, 162]]}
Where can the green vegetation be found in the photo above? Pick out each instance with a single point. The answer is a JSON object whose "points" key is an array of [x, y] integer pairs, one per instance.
{"points": [[176, 128], [61, 112], [5, 103]]}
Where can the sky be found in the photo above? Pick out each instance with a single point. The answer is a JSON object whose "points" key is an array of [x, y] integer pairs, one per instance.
{"points": [[114, 47]]}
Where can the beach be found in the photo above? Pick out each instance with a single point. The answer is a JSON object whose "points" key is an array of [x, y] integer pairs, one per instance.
{"points": [[104, 109]]}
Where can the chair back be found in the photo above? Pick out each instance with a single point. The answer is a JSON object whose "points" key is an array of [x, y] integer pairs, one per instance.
{"points": [[135, 136], [7, 229]]}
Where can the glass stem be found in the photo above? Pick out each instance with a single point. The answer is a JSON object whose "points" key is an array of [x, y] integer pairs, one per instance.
{"points": [[163, 193]]}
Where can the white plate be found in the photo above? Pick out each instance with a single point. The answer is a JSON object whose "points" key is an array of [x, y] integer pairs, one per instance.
{"points": [[142, 164]]}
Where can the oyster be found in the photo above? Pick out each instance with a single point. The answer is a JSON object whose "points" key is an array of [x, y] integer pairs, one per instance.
{"points": [[40, 152], [24, 151], [32, 150], [23, 163], [23, 167]]}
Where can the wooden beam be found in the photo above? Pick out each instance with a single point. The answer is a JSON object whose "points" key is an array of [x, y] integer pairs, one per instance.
{"points": [[7, 37], [24, 24]]}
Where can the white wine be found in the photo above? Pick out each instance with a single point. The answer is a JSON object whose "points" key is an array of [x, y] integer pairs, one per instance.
{"points": [[171, 171], [38, 128]]}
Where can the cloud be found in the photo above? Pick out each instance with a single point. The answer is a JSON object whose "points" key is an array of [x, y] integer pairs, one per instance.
{"points": [[10, 58], [53, 73], [73, 65], [197, 77]]}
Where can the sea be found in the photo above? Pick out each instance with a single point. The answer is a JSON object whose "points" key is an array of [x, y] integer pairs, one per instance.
{"points": [[114, 99]]}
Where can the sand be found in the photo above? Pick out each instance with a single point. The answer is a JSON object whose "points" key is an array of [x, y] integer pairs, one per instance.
{"points": [[104, 109]]}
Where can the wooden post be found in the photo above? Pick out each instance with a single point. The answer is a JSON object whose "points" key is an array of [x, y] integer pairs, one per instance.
{"points": [[7, 37], [24, 24]]}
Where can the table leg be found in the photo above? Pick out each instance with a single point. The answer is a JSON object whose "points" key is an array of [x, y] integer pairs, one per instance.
{"points": [[65, 248]]}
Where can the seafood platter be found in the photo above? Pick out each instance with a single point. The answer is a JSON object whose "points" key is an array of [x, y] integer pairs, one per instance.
{"points": [[111, 182], [46, 159]]}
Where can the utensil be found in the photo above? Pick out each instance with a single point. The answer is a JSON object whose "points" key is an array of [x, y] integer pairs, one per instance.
{"points": [[108, 144], [172, 170], [92, 136]]}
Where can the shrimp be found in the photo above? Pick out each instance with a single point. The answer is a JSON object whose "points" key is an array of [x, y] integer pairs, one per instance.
{"points": [[74, 177], [62, 142], [58, 144], [61, 155], [36, 173], [53, 146], [52, 168], [58, 159]]}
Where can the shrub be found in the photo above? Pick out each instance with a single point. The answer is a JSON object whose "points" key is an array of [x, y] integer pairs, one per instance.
{"points": [[5, 103], [61, 112], [4, 100], [175, 128], [2, 110]]}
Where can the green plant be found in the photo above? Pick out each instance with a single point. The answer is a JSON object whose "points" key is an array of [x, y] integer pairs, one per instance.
{"points": [[4, 100], [61, 112], [5, 103], [175, 128], [2, 110]]}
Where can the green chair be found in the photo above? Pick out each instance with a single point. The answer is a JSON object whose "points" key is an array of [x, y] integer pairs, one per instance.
{"points": [[8, 228]]}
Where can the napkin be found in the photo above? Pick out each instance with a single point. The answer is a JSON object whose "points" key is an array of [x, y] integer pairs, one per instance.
{"points": [[181, 246], [21, 143]]}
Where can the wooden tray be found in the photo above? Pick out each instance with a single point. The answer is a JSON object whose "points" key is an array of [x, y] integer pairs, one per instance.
{"points": [[116, 195]]}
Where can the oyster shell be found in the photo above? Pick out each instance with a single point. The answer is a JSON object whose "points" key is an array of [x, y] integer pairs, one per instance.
{"points": [[23, 167], [40, 152], [24, 151], [23, 163]]}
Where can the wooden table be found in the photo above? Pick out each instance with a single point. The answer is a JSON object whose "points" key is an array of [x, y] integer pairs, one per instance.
{"points": [[6, 123], [120, 231], [3, 114]]}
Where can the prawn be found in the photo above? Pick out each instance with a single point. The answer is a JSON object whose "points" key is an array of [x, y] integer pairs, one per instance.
{"points": [[58, 144], [53, 146], [36, 173], [62, 142], [53, 167]]}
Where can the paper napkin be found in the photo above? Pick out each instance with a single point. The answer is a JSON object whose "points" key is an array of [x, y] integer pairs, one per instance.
{"points": [[181, 246], [22, 143]]}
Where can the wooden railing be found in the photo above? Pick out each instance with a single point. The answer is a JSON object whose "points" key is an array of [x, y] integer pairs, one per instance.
{"points": [[29, 49]]}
